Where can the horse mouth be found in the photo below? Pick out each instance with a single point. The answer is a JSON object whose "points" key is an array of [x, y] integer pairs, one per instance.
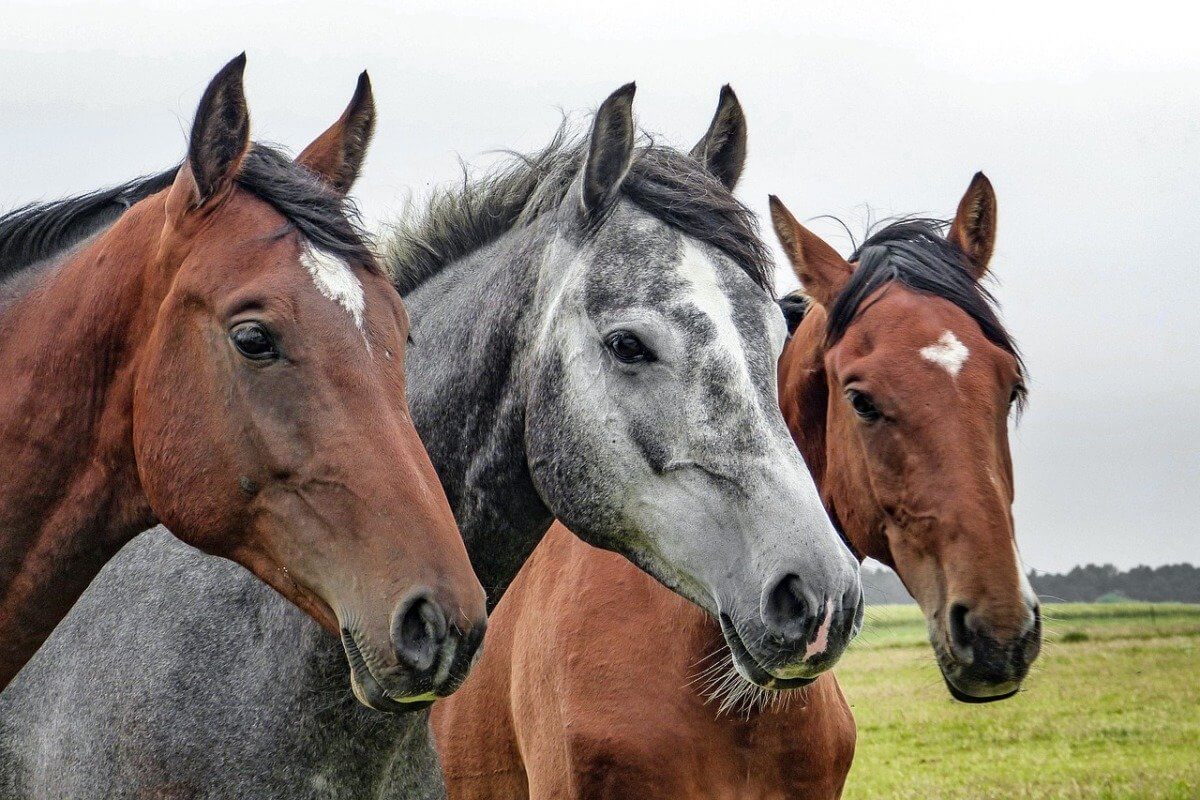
{"points": [[367, 688], [748, 666], [965, 690], [963, 697]]}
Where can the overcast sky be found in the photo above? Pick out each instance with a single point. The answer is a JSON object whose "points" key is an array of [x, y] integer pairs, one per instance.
{"points": [[1086, 120]]}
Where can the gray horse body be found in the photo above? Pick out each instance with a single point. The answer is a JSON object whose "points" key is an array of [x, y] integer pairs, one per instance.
{"points": [[180, 676]]}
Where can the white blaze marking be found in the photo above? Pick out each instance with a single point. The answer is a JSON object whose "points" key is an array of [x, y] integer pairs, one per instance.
{"points": [[822, 639], [948, 353], [698, 270], [1027, 591], [334, 279]]}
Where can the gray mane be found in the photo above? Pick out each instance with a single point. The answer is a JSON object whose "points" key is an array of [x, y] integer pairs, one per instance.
{"points": [[666, 183]]}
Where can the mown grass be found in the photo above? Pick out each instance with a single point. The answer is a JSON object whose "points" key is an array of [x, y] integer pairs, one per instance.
{"points": [[1112, 710]]}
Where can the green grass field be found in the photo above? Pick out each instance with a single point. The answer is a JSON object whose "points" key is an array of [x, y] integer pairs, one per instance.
{"points": [[1111, 710]]}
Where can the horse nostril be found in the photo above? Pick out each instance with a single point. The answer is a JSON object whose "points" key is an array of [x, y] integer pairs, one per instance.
{"points": [[418, 631], [852, 610], [786, 611], [962, 638], [473, 641], [1030, 643]]}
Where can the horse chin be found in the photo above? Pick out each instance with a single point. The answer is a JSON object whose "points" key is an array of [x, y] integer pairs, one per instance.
{"points": [[367, 689], [964, 690], [1005, 692], [748, 666]]}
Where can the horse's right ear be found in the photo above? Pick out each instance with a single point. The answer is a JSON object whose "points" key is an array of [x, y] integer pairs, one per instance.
{"points": [[610, 151], [818, 266], [974, 226], [722, 149], [220, 138], [337, 155], [794, 306]]}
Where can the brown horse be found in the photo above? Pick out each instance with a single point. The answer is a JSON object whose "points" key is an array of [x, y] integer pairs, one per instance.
{"points": [[897, 386], [227, 359]]}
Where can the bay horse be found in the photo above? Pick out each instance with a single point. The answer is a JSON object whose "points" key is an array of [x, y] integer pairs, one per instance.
{"points": [[226, 357], [594, 339], [897, 387]]}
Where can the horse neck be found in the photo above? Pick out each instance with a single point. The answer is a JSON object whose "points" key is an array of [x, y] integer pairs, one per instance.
{"points": [[473, 323], [71, 496]]}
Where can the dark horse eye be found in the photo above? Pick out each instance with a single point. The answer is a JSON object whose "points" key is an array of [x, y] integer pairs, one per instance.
{"points": [[627, 347], [863, 405], [253, 341]]}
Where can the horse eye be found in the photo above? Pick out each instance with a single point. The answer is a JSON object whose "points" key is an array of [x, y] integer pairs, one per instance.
{"points": [[628, 348], [1017, 393], [253, 341], [863, 406]]}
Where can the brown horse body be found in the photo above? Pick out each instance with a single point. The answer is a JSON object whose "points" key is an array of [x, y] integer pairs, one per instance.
{"points": [[607, 703], [593, 682], [227, 359]]}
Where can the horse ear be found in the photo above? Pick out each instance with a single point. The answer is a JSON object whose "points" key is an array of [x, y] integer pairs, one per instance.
{"points": [[974, 227], [794, 306], [337, 155], [610, 150], [220, 134], [818, 266], [722, 150]]}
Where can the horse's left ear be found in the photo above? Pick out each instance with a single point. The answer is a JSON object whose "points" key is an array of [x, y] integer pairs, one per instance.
{"points": [[337, 155], [610, 151], [722, 150], [974, 227], [794, 306], [220, 133], [821, 271]]}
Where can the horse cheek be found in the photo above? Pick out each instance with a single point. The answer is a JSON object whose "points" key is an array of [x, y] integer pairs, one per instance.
{"points": [[180, 398]]}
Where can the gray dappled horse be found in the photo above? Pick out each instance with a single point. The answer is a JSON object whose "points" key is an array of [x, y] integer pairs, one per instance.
{"points": [[594, 339]]}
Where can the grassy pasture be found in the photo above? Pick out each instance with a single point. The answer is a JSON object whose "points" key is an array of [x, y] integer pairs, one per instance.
{"points": [[1112, 710]]}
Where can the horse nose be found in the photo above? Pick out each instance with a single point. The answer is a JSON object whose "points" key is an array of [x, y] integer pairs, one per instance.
{"points": [[787, 612], [985, 655], [798, 619], [419, 632]]}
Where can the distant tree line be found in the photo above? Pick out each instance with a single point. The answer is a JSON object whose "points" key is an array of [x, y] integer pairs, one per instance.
{"points": [[1178, 583]]}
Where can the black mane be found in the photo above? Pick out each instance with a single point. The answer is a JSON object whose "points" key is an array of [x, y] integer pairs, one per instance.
{"points": [[329, 221], [916, 253], [670, 185], [39, 231]]}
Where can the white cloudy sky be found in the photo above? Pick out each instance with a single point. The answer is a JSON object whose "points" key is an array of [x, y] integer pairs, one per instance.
{"points": [[1087, 121]]}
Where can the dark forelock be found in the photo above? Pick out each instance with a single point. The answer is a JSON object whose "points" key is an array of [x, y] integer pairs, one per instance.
{"points": [[915, 253]]}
